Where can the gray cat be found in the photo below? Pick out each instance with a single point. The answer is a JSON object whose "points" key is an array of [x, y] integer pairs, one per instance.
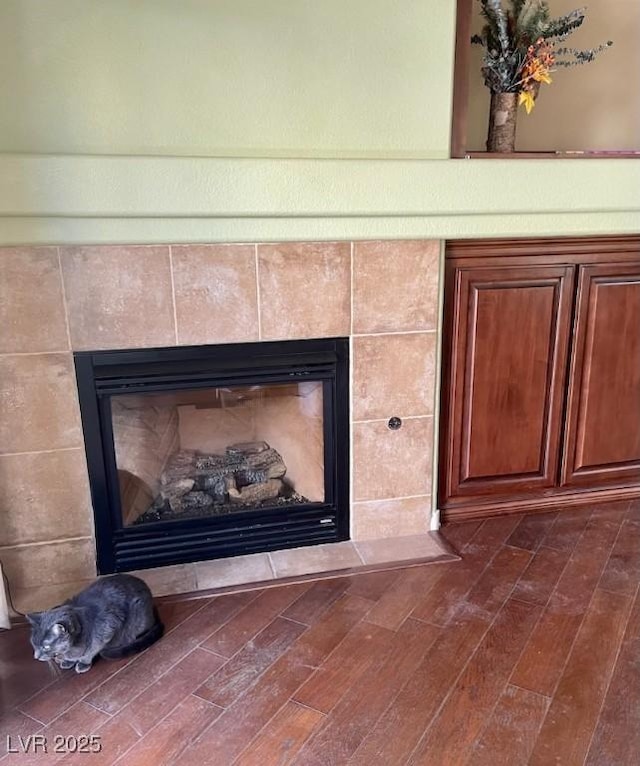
{"points": [[113, 617]]}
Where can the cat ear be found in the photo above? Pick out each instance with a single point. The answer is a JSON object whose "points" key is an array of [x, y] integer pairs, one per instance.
{"points": [[58, 629], [34, 617]]}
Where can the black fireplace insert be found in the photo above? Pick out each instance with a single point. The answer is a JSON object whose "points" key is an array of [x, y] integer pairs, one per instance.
{"points": [[205, 452]]}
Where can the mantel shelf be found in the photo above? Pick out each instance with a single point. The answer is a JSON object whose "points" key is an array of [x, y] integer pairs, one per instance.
{"points": [[114, 198]]}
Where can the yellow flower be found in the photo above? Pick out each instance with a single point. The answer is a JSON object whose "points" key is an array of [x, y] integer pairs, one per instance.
{"points": [[542, 75], [527, 99]]}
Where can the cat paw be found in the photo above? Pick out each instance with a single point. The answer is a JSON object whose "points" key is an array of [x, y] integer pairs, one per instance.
{"points": [[66, 664], [82, 667]]}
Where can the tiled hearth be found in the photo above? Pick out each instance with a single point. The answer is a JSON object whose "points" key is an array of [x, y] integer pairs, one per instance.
{"points": [[384, 295]]}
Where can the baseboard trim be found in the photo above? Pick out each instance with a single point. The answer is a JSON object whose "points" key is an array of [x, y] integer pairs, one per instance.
{"points": [[538, 504]]}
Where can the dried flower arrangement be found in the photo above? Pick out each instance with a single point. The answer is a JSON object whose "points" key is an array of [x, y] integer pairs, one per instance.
{"points": [[523, 45]]}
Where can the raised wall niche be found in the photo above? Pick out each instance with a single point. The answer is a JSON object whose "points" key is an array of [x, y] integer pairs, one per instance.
{"points": [[587, 111]]}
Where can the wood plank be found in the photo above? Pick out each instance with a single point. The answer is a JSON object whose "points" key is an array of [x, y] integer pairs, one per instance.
{"points": [[22, 676], [616, 741], [228, 736], [373, 585], [78, 719], [13, 725], [316, 600], [568, 528], [338, 663], [458, 534], [576, 703], [71, 686], [396, 734], [496, 585], [361, 707], [250, 620], [401, 598], [478, 689], [225, 685], [439, 603], [545, 655], [172, 613], [633, 511], [510, 735], [322, 638], [531, 531], [465, 591], [159, 699], [146, 668], [344, 667], [281, 739], [171, 736], [541, 576], [116, 737], [622, 572], [246, 716]]}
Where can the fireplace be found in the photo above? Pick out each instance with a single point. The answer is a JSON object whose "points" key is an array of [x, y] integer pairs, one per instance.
{"points": [[212, 451]]}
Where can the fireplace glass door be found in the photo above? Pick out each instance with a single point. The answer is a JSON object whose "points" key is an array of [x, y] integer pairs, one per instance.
{"points": [[218, 451]]}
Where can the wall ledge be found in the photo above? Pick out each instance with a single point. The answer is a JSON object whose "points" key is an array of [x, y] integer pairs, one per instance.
{"points": [[114, 198]]}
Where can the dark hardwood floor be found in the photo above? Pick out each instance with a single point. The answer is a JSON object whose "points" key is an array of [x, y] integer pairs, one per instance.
{"points": [[525, 652]]}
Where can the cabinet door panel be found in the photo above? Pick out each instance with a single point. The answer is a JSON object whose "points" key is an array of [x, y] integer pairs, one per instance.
{"points": [[602, 442], [509, 347]]}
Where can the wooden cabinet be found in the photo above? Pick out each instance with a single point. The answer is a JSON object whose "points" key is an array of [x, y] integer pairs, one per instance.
{"points": [[541, 375], [602, 441]]}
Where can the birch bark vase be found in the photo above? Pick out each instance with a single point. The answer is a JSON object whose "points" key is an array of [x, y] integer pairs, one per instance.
{"points": [[502, 122]]}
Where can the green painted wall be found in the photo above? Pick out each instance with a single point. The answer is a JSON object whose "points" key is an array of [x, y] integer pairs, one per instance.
{"points": [[226, 77], [170, 199], [226, 94]]}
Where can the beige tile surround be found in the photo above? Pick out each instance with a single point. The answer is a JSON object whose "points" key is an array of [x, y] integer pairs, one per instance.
{"points": [[54, 300]]}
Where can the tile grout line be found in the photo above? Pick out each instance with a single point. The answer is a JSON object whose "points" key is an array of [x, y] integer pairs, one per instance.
{"points": [[390, 499], [39, 451], [394, 332], [49, 542], [35, 353], [357, 550], [258, 306], [65, 306], [384, 420], [173, 296]]}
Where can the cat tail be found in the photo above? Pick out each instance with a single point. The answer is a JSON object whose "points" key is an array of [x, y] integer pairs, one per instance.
{"points": [[143, 641]]}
